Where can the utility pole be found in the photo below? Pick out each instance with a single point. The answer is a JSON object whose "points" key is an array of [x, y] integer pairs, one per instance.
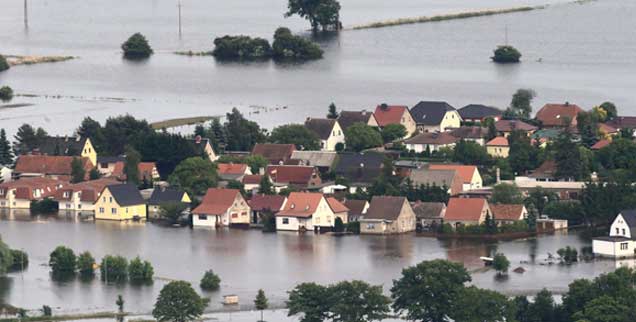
{"points": [[506, 35], [26, 15], [179, 5]]}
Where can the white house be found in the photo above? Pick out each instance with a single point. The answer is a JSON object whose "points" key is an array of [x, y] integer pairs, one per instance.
{"points": [[431, 116], [619, 243], [328, 131], [308, 211], [222, 207]]}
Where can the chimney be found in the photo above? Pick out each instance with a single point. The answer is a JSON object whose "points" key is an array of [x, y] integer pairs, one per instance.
{"points": [[384, 106], [567, 103]]}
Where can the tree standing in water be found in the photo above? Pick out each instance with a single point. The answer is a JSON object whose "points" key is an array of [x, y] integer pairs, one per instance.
{"points": [[261, 302]]}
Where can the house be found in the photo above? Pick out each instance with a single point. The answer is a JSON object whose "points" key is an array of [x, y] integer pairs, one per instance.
{"points": [[261, 204], [545, 172], [430, 142], [107, 165], [148, 171], [476, 134], [469, 173], [357, 209], [120, 202], [505, 127], [203, 147], [388, 215], [274, 153], [221, 207], [505, 214], [440, 178], [556, 115], [81, 196], [252, 182], [395, 114], [544, 136], [348, 118], [305, 211], [19, 194], [433, 116], [54, 167], [162, 196], [328, 131], [623, 122], [498, 147], [360, 169], [66, 146], [233, 171], [323, 160], [621, 242], [478, 113], [429, 214], [5, 173], [566, 190], [600, 144], [301, 177], [466, 211], [339, 211]]}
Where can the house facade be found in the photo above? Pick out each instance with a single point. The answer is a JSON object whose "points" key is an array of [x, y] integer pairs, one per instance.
{"points": [[466, 211], [274, 153], [506, 214], [469, 173], [19, 194], [559, 115], [261, 204], [221, 208], [163, 195], [498, 147], [429, 214], [204, 148], [304, 211], [81, 196], [430, 142], [54, 167], [431, 116], [328, 131], [395, 114], [388, 215], [620, 243], [348, 118], [120, 202], [66, 146], [357, 209], [301, 177]]}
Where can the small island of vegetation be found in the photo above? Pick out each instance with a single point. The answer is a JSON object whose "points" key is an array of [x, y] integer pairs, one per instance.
{"points": [[241, 48], [137, 47], [6, 93], [4, 64], [290, 47], [506, 54]]}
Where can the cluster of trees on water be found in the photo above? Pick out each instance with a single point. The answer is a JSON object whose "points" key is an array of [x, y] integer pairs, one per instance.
{"points": [[506, 54], [137, 47], [12, 260], [6, 93]]}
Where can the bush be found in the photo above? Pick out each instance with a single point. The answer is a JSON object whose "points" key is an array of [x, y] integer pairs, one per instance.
{"points": [[268, 219], [289, 47], [114, 268], [44, 206], [338, 225], [136, 47], [6, 93], [241, 48], [46, 310], [62, 261], [210, 281], [568, 255], [500, 263], [4, 64], [20, 260], [506, 54], [85, 264], [353, 227], [447, 229], [140, 271]]}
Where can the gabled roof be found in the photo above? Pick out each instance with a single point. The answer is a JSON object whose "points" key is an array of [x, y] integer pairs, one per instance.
{"points": [[291, 174], [146, 169], [322, 127], [547, 170], [498, 141], [216, 201], [359, 167], [439, 178], [430, 210], [385, 207], [48, 164], [391, 114], [606, 128], [465, 172], [469, 132], [252, 179], [301, 204], [511, 125], [554, 114], [232, 168], [261, 202], [165, 195], [61, 145], [433, 138], [629, 215], [506, 211], [464, 209], [315, 158], [356, 207], [430, 112], [274, 153], [90, 190], [600, 144], [348, 118], [126, 194], [623, 122], [24, 187], [199, 144], [336, 206], [478, 111]]}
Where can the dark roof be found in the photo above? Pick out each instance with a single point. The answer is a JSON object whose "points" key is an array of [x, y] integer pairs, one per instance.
{"points": [[469, 132], [356, 207], [430, 210], [61, 145], [478, 111], [359, 167], [612, 238], [322, 127], [261, 202], [547, 170], [385, 207], [126, 194], [620, 122], [199, 144], [433, 138], [107, 159], [630, 218], [511, 125], [165, 195], [430, 112], [348, 118]]}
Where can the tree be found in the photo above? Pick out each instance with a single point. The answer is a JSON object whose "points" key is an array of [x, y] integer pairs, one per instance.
{"points": [[131, 168], [360, 136], [120, 304], [256, 163], [94, 174], [610, 109], [6, 93], [242, 134], [468, 152], [338, 225], [506, 193], [287, 47], [506, 54], [195, 175], [323, 14], [136, 47], [520, 105], [531, 220], [540, 197], [172, 211], [235, 184], [489, 123], [587, 124], [268, 219], [89, 128], [426, 292], [178, 302], [166, 150], [260, 302], [357, 301], [393, 132], [62, 261], [297, 134], [27, 138], [122, 131], [114, 269], [20, 260], [543, 308], [568, 255], [210, 281], [523, 155], [6, 155], [310, 299], [266, 186], [568, 158], [500, 263], [241, 48], [86, 264], [606, 309], [333, 111], [77, 170], [140, 271], [477, 305], [6, 258], [4, 64]]}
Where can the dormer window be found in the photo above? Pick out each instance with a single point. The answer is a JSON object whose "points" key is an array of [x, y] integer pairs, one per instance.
{"points": [[292, 206]]}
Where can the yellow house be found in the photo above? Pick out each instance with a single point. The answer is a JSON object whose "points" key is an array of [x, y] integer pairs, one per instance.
{"points": [[498, 147], [120, 202], [163, 195]]}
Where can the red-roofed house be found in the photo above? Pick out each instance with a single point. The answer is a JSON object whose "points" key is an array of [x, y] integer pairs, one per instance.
{"points": [[50, 166], [607, 131], [274, 153], [148, 171], [395, 114], [252, 182], [261, 203], [233, 171], [305, 211], [600, 144], [19, 194], [302, 177], [221, 207], [81, 196], [466, 211], [508, 213], [339, 209], [498, 147], [468, 173], [554, 115]]}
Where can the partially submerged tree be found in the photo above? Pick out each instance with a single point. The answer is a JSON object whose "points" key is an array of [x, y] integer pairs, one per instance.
{"points": [[178, 302], [136, 47], [4, 64], [289, 47], [6, 93], [210, 281], [506, 54], [323, 14], [500, 263], [62, 261]]}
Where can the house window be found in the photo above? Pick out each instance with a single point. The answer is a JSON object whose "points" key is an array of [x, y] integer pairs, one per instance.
{"points": [[113, 211], [68, 206], [234, 215], [623, 246], [617, 231], [103, 165], [285, 221], [79, 206], [624, 234], [101, 210], [111, 199], [370, 226], [203, 217]]}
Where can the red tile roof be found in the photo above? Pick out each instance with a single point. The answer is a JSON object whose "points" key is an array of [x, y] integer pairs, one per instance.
{"points": [[274, 153], [232, 168], [49, 164], [606, 129], [216, 201], [554, 114], [90, 189], [293, 174], [263, 202], [301, 204], [146, 169], [600, 144], [464, 209], [466, 172], [507, 211], [25, 187], [252, 179], [498, 141], [336, 206], [391, 115]]}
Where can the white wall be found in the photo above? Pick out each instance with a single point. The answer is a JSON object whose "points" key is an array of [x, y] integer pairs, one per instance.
{"points": [[293, 223], [613, 249], [199, 221], [620, 228]]}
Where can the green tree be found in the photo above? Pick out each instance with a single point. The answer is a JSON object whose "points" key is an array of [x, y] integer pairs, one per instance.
{"points": [[568, 255], [6, 258], [360, 136], [260, 302], [131, 168], [256, 163], [531, 220], [89, 128], [242, 134], [323, 14], [178, 302], [501, 263], [268, 219], [357, 301], [506, 193], [540, 198], [543, 308], [6, 155], [86, 264], [338, 225], [140, 271], [478, 305], [266, 186], [62, 261], [587, 124], [172, 211], [311, 300], [77, 170], [27, 138], [426, 292], [6, 93], [520, 105], [393, 132], [94, 174], [296, 134], [136, 47], [20, 260], [210, 281], [166, 150], [506, 54], [568, 158], [287, 47], [235, 184], [114, 269], [522, 155], [489, 123], [610, 109], [606, 309], [195, 175], [468, 152], [4, 64], [241, 48], [121, 131], [333, 111]]}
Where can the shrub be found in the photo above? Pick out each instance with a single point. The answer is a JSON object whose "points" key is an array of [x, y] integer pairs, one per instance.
{"points": [[447, 228], [44, 206], [210, 281], [568, 255], [6, 93], [506, 54], [136, 47], [85, 264], [140, 271], [353, 227], [500, 263], [114, 268], [268, 219], [241, 48], [286, 46], [4, 64], [338, 225], [20, 260], [46, 310], [62, 261]]}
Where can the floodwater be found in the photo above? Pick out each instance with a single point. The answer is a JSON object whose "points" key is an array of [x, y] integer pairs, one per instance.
{"points": [[581, 53], [248, 260]]}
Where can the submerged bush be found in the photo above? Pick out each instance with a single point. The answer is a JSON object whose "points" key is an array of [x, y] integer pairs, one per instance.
{"points": [[506, 54], [210, 281], [241, 48], [137, 47], [140, 271], [44, 206], [114, 268], [85, 264], [4, 64], [62, 261], [20, 260], [290, 47], [6, 93]]}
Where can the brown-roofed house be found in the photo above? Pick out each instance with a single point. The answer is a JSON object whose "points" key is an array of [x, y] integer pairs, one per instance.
{"points": [[328, 131], [469, 174], [429, 214], [357, 208], [233, 171], [302, 177], [54, 167], [430, 141], [505, 127], [252, 182], [261, 204], [558, 115], [339, 209], [221, 207], [440, 178], [623, 122], [19, 194], [148, 171], [466, 211], [274, 153], [395, 114], [305, 211], [81, 196], [348, 118], [508, 213], [545, 172], [388, 215], [475, 134]]}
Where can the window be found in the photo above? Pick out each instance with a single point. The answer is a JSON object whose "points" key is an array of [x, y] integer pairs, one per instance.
{"points": [[624, 232], [68, 206], [285, 221], [617, 231], [103, 165], [111, 199], [113, 211], [101, 210], [79, 206], [234, 215], [370, 226], [203, 217], [623, 246]]}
